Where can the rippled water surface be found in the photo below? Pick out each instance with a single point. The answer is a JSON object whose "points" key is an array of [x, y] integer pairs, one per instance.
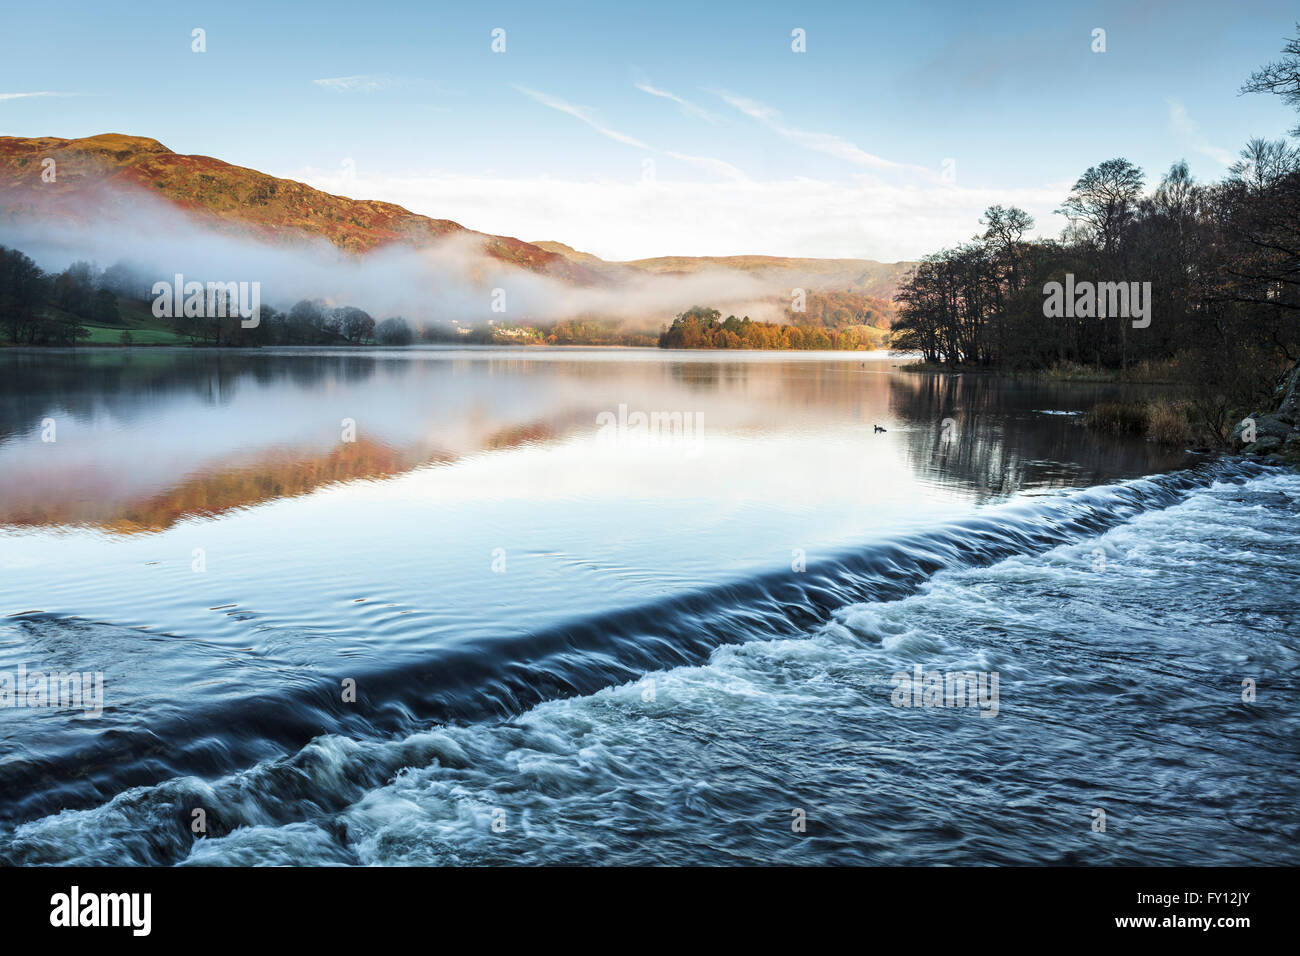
{"points": [[576, 641]]}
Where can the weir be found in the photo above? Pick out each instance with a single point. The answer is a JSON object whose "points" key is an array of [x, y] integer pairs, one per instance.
{"points": [[502, 676]]}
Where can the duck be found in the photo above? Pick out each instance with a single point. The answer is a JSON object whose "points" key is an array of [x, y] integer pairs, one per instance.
{"points": [[878, 428]]}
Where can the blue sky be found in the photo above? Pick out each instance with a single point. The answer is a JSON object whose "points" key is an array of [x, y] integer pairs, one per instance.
{"points": [[670, 128]]}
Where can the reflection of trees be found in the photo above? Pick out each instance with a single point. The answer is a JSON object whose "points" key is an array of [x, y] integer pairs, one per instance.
{"points": [[132, 384], [708, 376], [999, 441]]}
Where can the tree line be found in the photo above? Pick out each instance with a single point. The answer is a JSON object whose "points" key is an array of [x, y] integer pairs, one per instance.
{"points": [[1222, 260], [703, 328], [39, 308]]}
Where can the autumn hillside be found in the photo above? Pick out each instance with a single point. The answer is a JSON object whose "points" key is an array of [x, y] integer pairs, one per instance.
{"points": [[227, 197], [99, 180]]}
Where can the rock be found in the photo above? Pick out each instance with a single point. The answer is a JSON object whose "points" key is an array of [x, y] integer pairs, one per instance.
{"points": [[1276, 432], [1273, 427], [1288, 396], [1266, 444], [1266, 427]]}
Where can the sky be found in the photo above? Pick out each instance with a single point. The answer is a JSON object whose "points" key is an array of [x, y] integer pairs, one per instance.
{"points": [[673, 128]]}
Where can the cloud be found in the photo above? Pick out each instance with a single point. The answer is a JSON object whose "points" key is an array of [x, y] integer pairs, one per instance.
{"points": [[717, 166], [20, 96], [689, 108], [584, 114], [361, 83], [631, 219], [1182, 124], [827, 143]]}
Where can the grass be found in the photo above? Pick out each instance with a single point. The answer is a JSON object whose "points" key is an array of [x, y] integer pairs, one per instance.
{"points": [[1117, 418], [112, 335], [1147, 373], [136, 318], [921, 365], [1150, 373], [1162, 421], [1168, 423]]}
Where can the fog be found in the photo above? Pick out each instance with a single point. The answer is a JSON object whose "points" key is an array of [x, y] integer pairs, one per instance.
{"points": [[451, 278]]}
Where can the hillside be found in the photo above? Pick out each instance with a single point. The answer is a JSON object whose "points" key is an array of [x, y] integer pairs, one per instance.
{"points": [[96, 174], [107, 179], [879, 280]]}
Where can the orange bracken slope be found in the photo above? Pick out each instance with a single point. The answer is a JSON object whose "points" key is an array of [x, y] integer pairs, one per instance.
{"points": [[91, 173]]}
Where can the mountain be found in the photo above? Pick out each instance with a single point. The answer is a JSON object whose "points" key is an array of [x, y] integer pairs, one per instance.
{"points": [[100, 180], [876, 279], [90, 174]]}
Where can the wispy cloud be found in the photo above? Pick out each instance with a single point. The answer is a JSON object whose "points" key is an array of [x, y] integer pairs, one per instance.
{"points": [[22, 96], [689, 108], [583, 113], [1181, 123], [827, 143], [361, 83]]}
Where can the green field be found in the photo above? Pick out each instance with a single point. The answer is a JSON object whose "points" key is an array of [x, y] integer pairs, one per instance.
{"points": [[136, 318]]}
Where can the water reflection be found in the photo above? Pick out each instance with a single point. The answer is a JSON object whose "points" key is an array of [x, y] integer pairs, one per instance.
{"points": [[202, 531], [144, 438], [994, 436]]}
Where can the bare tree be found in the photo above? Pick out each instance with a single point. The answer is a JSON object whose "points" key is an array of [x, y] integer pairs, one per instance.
{"points": [[1104, 200]]}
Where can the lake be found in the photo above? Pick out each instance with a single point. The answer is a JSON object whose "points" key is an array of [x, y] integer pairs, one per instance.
{"points": [[495, 605]]}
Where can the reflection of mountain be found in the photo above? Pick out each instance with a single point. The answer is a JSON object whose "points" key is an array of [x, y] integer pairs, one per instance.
{"points": [[283, 473], [146, 439], [279, 475], [1000, 437]]}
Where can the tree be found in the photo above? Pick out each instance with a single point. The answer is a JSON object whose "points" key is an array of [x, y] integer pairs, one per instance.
{"points": [[1261, 206], [1104, 200], [306, 321], [1265, 163], [394, 331], [1281, 77], [353, 324], [22, 295], [128, 281], [104, 308], [1005, 226], [75, 289]]}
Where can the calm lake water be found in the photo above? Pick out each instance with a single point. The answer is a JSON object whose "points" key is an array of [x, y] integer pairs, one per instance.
{"points": [[627, 606]]}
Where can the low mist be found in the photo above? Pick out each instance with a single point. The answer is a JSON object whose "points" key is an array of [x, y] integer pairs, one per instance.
{"points": [[452, 278]]}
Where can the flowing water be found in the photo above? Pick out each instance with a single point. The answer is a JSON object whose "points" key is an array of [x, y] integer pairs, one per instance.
{"points": [[470, 606]]}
